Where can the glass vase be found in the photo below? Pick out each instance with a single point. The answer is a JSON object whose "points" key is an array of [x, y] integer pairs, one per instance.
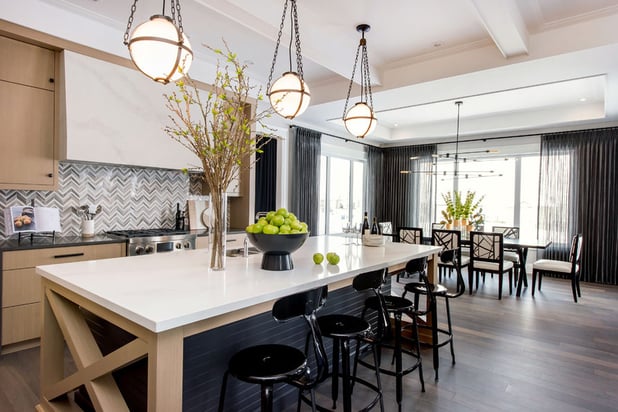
{"points": [[218, 230]]}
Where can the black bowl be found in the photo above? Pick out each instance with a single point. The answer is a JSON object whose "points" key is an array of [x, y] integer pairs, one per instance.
{"points": [[277, 249]]}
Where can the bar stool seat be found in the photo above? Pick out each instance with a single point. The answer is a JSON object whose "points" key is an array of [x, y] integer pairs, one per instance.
{"points": [[268, 363]]}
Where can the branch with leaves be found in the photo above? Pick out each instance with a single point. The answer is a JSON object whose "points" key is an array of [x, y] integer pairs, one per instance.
{"points": [[218, 127]]}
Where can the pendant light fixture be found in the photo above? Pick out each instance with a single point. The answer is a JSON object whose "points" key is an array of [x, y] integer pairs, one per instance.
{"points": [[159, 47], [456, 157], [360, 120], [289, 95]]}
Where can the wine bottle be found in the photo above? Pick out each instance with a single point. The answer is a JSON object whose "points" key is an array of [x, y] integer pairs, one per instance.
{"points": [[365, 225], [374, 227]]}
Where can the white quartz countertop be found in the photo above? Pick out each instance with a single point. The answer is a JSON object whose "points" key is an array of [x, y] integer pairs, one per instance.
{"points": [[168, 290]]}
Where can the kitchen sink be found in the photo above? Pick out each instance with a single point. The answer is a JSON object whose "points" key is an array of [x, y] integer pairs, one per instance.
{"points": [[239, 252]]}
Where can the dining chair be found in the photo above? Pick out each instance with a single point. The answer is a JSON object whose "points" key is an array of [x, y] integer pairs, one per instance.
{"points": [[449, 240], [570, 269], [386, 229], [411, 235], [510, 232], [487, 256]]}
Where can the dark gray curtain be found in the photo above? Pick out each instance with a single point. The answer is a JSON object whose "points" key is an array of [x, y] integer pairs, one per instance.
{"points": [[374, 183], [578, 193], [406, 198], [266, 177], [305, 178]]}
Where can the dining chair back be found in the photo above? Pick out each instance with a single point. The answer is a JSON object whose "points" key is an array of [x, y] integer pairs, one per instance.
{"points": [[412, 235], [487, 256], [449, 240], [386, 230], [510, 232], [569, 269]]}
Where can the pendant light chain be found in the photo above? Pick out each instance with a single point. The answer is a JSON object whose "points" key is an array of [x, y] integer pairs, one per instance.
{"points": [[367, 74], [130, 23], [299, 61], [272, 67], [345, 108], [176, 6]]}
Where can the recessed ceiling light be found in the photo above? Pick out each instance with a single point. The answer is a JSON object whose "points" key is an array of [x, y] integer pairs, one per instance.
{"points": [[396, 124], [583, 99]]}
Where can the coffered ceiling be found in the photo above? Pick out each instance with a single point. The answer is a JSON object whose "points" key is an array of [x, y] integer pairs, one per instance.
{"points": [[520, 66]]}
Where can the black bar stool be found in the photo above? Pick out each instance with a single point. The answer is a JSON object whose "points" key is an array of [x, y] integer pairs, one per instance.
{"points": [[393, 337], [343, 329], [266, 365], [434, 291]]}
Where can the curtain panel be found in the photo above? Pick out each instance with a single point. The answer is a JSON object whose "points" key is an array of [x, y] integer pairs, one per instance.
{"points": [[305, 176], [374, 183], [266, 177], [577, 194], [406, 198]]}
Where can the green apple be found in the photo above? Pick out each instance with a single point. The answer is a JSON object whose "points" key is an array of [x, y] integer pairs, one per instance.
{"points": [[283, 212], [296, 225], [270, 230], [318, 258], [270, 215], [277, 220], [332, 258]]}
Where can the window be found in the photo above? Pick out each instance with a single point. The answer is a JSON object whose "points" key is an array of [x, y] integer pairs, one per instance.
{"points": [[510, 193], [341, 193]]}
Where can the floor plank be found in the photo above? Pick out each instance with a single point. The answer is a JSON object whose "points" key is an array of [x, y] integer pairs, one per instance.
{"points": [[541, 354]]}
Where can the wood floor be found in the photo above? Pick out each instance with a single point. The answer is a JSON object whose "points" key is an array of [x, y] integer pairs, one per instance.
{"points": [[517, 354]]}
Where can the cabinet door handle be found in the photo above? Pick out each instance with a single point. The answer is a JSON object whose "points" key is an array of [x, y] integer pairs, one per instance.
{"points": [[50, 175], [68, 255]]}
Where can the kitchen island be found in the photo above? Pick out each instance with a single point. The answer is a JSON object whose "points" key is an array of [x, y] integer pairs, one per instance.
{"points": [[169, 303]]}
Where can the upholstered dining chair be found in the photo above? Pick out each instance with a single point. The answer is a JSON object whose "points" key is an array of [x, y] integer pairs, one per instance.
{"points": [[386, 229], [487, 256], [510, 232], [411, 235], [570, 269], [449, 240]]}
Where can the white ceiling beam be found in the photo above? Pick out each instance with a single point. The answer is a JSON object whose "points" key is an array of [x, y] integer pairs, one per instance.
{"points": [[505, 24], [255, 16]]}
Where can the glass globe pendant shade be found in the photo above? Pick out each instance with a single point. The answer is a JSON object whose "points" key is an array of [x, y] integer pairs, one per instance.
{"points": [[160, 50], [289, 95], [360, 120]]}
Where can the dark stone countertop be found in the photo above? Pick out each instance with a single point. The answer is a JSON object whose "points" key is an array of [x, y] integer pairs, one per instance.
{"points": [[40, 242]]}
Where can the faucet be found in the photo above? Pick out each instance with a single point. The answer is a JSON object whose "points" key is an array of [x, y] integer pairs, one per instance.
{"points": [[245, 247]]}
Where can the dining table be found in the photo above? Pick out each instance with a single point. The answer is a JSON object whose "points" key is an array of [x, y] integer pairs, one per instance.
{"points": [[521, 247]]}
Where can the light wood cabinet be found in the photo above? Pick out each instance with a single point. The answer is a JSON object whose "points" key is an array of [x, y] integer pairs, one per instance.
{"points": [[21, 287], [27, 116]]}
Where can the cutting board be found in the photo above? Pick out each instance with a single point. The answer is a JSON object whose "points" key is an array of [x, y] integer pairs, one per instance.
{"points": [[199, 213]]}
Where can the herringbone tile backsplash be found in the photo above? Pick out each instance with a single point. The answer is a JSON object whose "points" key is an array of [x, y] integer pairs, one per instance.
{"points": [[130, 197]]}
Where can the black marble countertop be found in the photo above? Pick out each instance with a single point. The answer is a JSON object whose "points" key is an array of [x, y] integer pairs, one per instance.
{"points": [[40, 242]]}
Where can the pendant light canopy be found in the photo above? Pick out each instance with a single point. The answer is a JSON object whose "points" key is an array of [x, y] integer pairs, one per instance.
{"points": [[289, 95], [158, 47], [360, 120]]}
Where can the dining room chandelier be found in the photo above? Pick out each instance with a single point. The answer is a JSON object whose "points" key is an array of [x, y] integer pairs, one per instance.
{"points": [[457, 158], [360, 120], [289, 95], [158, 47]]}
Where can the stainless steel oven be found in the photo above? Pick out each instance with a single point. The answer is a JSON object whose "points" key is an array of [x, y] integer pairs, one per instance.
{"points": [[149, 241]]}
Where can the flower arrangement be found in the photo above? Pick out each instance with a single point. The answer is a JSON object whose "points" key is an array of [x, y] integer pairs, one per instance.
{"points": [[218, 129]]}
